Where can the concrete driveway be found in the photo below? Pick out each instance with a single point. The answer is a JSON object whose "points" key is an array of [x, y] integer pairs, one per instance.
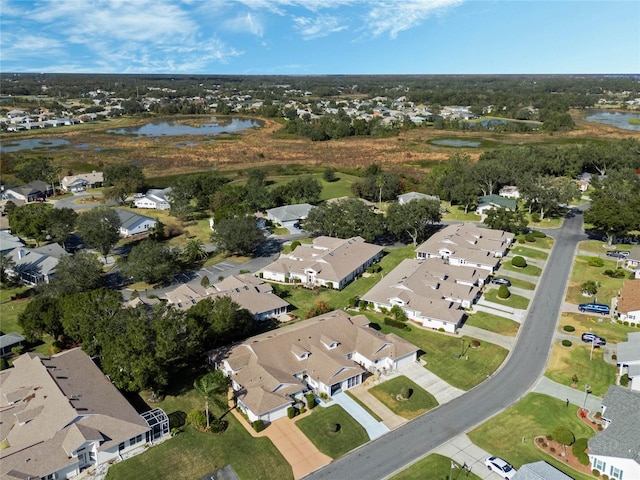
{"points": [[441, 390], [463, 451]]}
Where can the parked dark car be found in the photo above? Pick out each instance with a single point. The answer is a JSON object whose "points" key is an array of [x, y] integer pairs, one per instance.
{"points": [[501, 281], [618, 254], [593, 338], [594, 308]]}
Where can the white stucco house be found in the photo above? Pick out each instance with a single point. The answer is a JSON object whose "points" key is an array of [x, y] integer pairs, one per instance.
{"points": [[82, 181], [132, 223], [155, 199], [327, 354], [510, 191], [615, 451], [407, 197]]}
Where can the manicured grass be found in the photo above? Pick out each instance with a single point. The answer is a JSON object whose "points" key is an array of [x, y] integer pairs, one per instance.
{"points": [[546, 242], [363, 405], [599, 247], [510, 434], [9, 312], [442, 352], [612, 332], [456, 213], [493, 323], [389, 393], [547, 222], [350, 435], [582, 271], [528, 270], [529, 252], [434, 467], [514, 301], [567, 361], [516, 282]]}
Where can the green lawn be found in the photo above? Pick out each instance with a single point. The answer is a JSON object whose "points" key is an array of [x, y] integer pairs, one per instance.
{"points": [[9, 312], [597, 246], [546, 242], [419, 402], [516, 282], [456, 213], [350, 435], [493, 323], [514, 301], [442, 352], [612, 332], [339, 188], [529, 252], [567, 361], [510, 434], [434, 467], [363, 405], [528, 270], [548, 222], [582, 271], [193, 454]]}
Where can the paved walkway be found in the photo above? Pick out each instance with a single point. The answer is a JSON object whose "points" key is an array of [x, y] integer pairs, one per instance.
{"points": [[562, 392], [487, 336], [463, 451], [441, 390], [390, 419], [373, 427]]}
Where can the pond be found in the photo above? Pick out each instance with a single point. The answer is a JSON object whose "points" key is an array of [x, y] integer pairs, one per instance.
{"points": [[32, 144], [174, 127], [451, 142], [615, 119]]}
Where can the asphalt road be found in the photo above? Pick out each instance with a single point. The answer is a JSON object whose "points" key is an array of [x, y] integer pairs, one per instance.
{"points": [[525, 364]]}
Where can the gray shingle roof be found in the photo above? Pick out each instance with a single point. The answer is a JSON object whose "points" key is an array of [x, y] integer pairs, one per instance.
{"points": [[540, 471]]}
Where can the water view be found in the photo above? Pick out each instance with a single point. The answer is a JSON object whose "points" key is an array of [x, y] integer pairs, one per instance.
{"points": [[173, 127], [450, 142], [32, 144], [615, 119]]}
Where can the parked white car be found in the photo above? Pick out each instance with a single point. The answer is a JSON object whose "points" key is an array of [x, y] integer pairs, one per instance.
{"points": [[499, 466]]}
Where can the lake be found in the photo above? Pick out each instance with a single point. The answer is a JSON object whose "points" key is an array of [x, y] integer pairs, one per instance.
{"points": [[615, 119], [32, 144], [450, 142], [173, 127]]}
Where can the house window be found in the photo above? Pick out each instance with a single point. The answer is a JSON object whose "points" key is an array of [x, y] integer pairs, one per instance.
{"points": [[51, 476], [599, 465], [615, 473], [353, 381], [121, 446]]}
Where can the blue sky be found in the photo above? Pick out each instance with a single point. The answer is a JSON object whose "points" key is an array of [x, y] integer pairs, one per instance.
{"points": [[320, 36]]}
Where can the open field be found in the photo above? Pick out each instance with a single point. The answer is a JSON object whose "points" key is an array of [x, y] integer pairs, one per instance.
{"points": [[608, 287], [434, 467], [389, 393]]}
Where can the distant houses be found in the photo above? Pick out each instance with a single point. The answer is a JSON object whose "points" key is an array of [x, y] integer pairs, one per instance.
{"points": [[29, 192], [407, 197], [82, 181], [289, 216], [156, 199], [492, 202]]}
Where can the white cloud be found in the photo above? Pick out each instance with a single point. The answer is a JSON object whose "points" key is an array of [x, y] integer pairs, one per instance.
{"points": [[320, 26], [248, 22], [399, 15]]}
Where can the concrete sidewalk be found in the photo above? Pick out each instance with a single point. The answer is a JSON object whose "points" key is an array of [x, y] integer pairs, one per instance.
{"points": [[463, 451], [373, 427], [390, 419], [487, 336], [575, 396]]}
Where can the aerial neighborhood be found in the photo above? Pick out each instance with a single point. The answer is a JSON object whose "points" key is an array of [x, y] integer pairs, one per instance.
{"points": [[260, 302]]}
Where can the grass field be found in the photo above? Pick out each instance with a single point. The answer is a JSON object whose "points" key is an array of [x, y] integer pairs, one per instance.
{"points": [[582, 271], [546, 242], [516, 282], [493, 323], [613, 332], [442, 352], [510, 434], [528, 270], [599, 247], [334, 444], [514, 301], [567, 361], [9, 312], [456, 213], [529, 252], [434, 467], [419, 402], [547, 222]]}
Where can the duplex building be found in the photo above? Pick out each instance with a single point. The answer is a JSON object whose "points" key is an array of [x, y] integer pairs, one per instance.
{"points": [[326, 354], [33, 266], [327, 262], [491, 202], [288, 216], [82, 181], [60, 416]]}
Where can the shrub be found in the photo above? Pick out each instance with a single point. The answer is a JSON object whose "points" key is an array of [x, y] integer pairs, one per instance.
{"points": [[503, 292], [521, 240], [595, 472], [291, 412], [302, 410], [539, 439], [569, 328], [323, 395], [197, 418], [583, 458], [406, 392], [563, 435], [205, 282], [617, 273], [535, 217], [295, 244], [475, 343], [311, 400], [552, 450], [614, 356], [333, 428], [17, 350], [353, 302], [549, 437], [589, 287], [566, 343], [519, 262], [218, 426], [258, 425], [574, 378], [394, 323], [625, 323], [441, 329], [530, 237], [579, 446], [596, 262], [624, 380], [3, 364], [539, 234]]}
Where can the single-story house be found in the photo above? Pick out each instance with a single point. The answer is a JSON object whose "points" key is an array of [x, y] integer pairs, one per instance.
{"points": [[628, 359], [429, 291], [490, 202], [82, 181], [540, 471], [633, 259], [510, 191], [132, 223], [61, 416], [9, 242], [467, 245], [407, 197], [155, 199], [629, 302], [289, 215], [324, 355], [29, 192], [615, 451], [246, 290], [8, 341], [35, 265], [327, 262]]}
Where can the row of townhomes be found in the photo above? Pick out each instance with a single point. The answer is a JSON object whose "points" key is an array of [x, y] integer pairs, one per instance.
{"points": [[327, 354], [60, 416], [445, 278]]}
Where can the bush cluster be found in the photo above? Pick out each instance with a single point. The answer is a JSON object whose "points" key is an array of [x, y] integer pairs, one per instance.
{"points": [[311, 400], [394, 323], [258, 425], [569, 328], [539, 234], [617, 273], [530, 237], [519, 262], [566, 343], [406, 392], [503, 292], [596, 262]]}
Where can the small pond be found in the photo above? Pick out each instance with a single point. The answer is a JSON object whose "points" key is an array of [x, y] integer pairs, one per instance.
{"points": [[615, 119], [32, 144], [451, 142], [173, 127]]}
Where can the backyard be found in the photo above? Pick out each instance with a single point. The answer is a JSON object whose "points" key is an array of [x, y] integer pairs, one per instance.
{"points": [[493, 323], [416, 402]]}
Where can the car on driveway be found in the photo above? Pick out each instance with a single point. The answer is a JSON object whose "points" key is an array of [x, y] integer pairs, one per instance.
{"points": [[501, 281], [593, 338], [594, 308], [499, 466], [618, 253]]}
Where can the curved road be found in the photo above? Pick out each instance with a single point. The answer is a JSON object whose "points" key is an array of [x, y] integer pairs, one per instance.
{"points": [[526, 363]]}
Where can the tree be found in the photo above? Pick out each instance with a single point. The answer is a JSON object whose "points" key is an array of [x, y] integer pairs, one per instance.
{"points": [[239, 235], [35, 169], [150, 262], [221, 320], [564, 436], [345, 218], [77, 273], [61, 222], [398, 313], [41, 315], [209, 386], [507, 220], [589, 288], [413, 218], [6, 263], [123, 179], [31, 220], [194, 251], [99, 228], [329, 174]]}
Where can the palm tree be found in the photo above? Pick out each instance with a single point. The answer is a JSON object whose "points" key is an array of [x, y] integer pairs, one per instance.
{"points": [[209, 385], [194, 251]]}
